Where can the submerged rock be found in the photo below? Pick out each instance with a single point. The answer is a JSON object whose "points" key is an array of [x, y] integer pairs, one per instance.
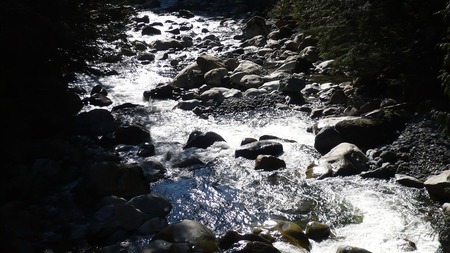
{"points": [[196, 235]]}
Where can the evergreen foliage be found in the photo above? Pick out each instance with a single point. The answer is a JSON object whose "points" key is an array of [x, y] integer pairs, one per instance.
{"points": [[391, 44]]}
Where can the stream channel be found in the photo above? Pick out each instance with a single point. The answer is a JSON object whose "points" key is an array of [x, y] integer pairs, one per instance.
{"points": [[228, 193]]}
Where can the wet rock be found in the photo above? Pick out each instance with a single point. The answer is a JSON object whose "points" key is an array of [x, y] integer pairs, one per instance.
{"points": [[188, 105], [162, 91], [202, 140], [343, 160], [326, 139], [253, 149], [183, 13], [439, 185], [151, 205], [351, 249], [248, 140], [149, 30], [167, 44], [147, 149], [189, 162], [132, 135], [190, 232], [99, 99], [258, 247], [317, 231], [408, 181], [153, 169], [268, 163], [232, 237], [289, 232], [146, 57], [386, 171]]}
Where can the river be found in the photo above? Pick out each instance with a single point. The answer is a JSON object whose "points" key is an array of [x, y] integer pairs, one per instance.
{"points": [[227, 193]]}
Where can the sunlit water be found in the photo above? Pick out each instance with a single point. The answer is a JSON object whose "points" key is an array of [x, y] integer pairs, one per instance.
{"points": [[228, 193]]}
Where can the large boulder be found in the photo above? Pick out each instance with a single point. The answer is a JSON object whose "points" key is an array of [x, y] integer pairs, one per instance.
{"points": [[208, 62], [343, 160], [190, 232], [184, 78], [255, 26], [202, 140], [95, 123], [439, 186], [253, 149]]}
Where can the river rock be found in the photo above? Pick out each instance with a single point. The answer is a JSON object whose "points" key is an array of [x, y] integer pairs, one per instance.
{"points": [[183, 80], [343, 160], [167, 44], [251, 81], [351, 249], [150, 30], [209, 62], [290, 232], [310, 53], [255, 26], [151, 205], [268, 163], [110, 178], [152, 168], [408, 181], [439, 186], [152, 226], [258, 247], [202, 140], [446, 208], [212, 97], [326, 139], [132, 135], [190, 232], [188, 105], [231, 237], [215, 76], [96, 122], [317, 231], [253, 149], [248, 67]]}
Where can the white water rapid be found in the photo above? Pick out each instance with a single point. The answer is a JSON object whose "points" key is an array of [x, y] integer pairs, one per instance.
{"points": [[377, 215]]}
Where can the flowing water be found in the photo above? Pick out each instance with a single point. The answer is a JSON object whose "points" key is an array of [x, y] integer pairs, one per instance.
{"points": [[227, 193]]}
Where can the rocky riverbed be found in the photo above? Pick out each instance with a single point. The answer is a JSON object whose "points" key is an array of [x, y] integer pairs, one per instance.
{"points": [[93, 191]]}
